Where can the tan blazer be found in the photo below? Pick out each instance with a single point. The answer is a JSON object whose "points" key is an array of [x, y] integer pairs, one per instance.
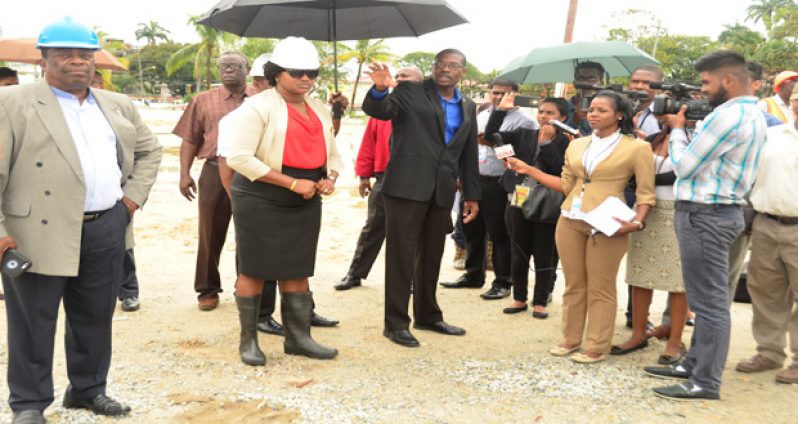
{"points": [[41, 179], [631, 157], [256, 132]]}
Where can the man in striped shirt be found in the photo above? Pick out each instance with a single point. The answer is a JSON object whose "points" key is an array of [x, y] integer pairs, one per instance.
{"points": [[714, 172]]}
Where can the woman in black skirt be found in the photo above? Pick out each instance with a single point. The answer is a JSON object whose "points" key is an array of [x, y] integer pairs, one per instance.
{"points": [[282, 147], [528, 239]]}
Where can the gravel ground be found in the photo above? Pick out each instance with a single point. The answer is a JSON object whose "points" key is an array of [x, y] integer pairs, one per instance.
{"points": [[173, 363]]}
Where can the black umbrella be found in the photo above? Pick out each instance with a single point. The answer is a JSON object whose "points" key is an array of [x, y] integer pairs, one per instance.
{"points": [[331, 20]]}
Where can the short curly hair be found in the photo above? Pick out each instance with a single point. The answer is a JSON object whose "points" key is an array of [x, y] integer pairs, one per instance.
{"points": [[270, 72]]}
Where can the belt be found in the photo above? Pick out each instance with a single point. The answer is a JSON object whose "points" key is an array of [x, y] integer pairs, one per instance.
{"points": [[489, 178], [786, 220], [683, 205], [93, 216]]}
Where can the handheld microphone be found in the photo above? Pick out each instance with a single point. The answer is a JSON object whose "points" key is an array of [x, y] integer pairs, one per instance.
{"points": [[564, 127]]}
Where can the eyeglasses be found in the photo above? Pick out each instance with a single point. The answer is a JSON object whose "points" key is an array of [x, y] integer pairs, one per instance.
{"points": [[233, 66], [298, 73], [455, 66]]}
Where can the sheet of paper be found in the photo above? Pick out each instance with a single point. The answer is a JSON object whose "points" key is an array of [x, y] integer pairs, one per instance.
{"points": [[601, 218]]}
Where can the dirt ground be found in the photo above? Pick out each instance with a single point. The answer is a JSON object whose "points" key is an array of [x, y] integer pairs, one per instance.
{"points": [[174, 363]]}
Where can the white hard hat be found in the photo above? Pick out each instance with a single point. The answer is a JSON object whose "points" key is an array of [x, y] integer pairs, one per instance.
{"points": [[257, 67], [295, 53]]}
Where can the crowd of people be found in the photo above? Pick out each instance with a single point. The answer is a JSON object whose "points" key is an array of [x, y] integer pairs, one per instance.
{"points": [[77, 162]]}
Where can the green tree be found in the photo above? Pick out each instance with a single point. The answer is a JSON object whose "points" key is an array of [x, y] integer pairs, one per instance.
{"points": [[785, 23], [148, 67], [648, 26], [421, 60], [254, 47], [325, 82], [741, 39], [364, 52], [678, 53], [765, 10], [151, 31], [777, 55], [202, 54]]}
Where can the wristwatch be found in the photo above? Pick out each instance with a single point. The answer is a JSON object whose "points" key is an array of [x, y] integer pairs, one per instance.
{"points": [[639, 224]]}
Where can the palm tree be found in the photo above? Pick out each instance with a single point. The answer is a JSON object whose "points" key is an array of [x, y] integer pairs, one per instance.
{"points": [[151, 31], [765, 10], [365, 51], [202, 54]]}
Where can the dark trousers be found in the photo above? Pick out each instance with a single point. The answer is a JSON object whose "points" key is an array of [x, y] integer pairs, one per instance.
{"points": [[214, 218], [536, 240], [457, 234], [371, 236], [706, 234], [268, 300], [489, 224], [415, 236], [130, 283], [32, 302]]}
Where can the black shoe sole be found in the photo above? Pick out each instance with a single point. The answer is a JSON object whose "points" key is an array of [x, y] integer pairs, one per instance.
{"points": [[298, 352], [436, 330], [540, 315], [511, 311], [401, 343], [667, 377], [685, 399]]}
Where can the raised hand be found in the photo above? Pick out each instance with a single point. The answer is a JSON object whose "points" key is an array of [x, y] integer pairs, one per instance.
{"points": [[508, 101], [380, 76]]}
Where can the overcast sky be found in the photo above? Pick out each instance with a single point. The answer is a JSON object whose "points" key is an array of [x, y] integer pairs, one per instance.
{"points": [[499, 30]]}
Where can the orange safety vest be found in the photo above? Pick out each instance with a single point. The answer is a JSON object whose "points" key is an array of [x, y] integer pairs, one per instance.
{"points": [[775, 110]]}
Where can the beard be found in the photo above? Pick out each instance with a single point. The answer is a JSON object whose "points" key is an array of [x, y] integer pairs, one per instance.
{"points": [[718, 98]]}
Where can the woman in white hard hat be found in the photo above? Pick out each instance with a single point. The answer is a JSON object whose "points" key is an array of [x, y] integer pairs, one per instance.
{"points": [[282, 147]]}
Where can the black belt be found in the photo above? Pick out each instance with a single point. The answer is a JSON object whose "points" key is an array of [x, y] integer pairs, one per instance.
{"points": [[93, 216], [786, 220], [683, 205], [489, 178]]}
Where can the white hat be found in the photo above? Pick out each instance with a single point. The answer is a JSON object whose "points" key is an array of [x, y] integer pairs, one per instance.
{"points": [[257, 67], [295, 53]]}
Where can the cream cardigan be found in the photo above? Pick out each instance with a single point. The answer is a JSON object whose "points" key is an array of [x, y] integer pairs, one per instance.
{"points": [[256, 132]]}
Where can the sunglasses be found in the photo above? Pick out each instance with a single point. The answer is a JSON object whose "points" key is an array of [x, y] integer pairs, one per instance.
{"points": [[298, 73]]}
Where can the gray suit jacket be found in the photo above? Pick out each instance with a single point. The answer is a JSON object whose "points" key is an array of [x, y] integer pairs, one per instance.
{"points": [[41, 179]]}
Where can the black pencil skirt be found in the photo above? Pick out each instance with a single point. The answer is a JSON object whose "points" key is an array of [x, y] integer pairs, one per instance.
{"points": [[277, 230]]}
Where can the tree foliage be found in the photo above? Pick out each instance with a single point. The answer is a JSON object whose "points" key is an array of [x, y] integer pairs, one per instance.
{"points": [[364, 52], [152, 32], [201, 55], [421, 60]]}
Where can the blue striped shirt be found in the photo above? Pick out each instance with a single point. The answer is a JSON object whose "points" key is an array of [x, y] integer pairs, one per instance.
{"points": [[719, 164]]}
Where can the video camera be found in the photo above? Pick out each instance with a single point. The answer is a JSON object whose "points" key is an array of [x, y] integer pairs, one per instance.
{"points": [[634, 96], [669, 105]]}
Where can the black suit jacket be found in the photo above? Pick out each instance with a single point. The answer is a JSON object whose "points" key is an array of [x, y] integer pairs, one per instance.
{"points": [[422, 164]]}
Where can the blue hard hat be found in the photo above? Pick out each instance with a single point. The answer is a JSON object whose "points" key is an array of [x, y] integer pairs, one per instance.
{"points": [[68, 34]]}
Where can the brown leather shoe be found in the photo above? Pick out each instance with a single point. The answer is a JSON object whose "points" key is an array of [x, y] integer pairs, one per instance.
{"points": [[208, 303], [757, 363], [788, 375]]}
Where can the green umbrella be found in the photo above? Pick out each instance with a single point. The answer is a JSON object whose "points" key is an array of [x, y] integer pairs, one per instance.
{"points": [[557, 63]]}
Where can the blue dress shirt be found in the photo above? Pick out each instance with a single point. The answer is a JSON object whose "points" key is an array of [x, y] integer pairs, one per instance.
{"points": [[452, 111]]}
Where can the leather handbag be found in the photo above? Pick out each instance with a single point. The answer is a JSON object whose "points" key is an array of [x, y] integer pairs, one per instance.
{"points": [[542, 205]]}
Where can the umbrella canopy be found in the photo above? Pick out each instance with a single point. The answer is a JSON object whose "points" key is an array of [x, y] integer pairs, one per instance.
{"points": [[23, 50], [557, 63], [331, 20]]}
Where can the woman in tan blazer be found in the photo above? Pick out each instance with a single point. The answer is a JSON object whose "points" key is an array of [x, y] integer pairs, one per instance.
{"points": [[596, 167]]}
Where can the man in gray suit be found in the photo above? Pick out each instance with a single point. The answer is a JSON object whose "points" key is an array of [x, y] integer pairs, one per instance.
{"points": [[75, 165]]}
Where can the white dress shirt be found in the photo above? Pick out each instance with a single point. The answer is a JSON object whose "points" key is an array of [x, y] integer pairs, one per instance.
{"points": [[95, 142], [599, 149], [776, 183], [647, 121], [223, 141]]}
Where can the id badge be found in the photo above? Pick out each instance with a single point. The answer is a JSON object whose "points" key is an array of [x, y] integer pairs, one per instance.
{"points": [[576, 207], [520, 195]]}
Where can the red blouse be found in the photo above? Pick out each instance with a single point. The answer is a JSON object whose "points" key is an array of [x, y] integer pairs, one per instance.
{"points": [[304, 140]]}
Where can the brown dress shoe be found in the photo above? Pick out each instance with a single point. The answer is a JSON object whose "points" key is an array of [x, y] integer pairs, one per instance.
{"points": [[788, 375], [208, 303], [757, 363]]}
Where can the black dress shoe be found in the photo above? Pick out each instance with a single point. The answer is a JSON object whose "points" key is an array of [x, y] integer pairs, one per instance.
{"points": [[131, 304], [674, 371], [463, 283], [512, 310], [271, 326], [440, 327], [401, 337], [495, 293], [319, 321], [617, 350], [685, 391], [348, 282], [540, 315], [100, 405], [28, 416]]}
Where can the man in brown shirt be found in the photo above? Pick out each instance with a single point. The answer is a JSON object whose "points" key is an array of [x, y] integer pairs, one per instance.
{"points": [[199, 129]]}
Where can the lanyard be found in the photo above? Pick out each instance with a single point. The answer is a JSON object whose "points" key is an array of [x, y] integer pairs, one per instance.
{"points": [[589, 164]]}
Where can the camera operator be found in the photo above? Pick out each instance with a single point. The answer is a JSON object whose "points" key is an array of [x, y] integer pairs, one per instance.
{"points": [[590, 73], [714, 172], [646, 123]]}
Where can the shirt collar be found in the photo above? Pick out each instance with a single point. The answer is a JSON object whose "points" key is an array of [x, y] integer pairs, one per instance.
{"points": [[227, 94], [610, 137], [65, 95], [738, 99], [456, 99]]}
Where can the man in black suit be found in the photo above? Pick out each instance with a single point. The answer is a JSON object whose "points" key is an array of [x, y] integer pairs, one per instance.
{"points": [[434, 142]]}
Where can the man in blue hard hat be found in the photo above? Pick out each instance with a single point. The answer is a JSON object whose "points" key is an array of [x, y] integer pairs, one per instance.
{"points": [[75, 165]]}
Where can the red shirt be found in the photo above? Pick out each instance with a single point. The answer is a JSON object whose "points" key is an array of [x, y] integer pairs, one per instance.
{"points": [[374, 152], [304, 140]]}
